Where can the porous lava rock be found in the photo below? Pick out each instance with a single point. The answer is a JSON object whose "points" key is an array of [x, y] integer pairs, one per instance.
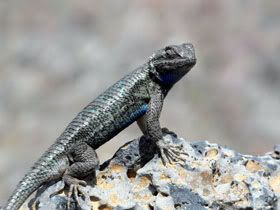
{"points": [[211, 177]]}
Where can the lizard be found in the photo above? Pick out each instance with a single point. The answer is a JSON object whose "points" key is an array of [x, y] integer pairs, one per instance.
{"points": [[138, 96]]}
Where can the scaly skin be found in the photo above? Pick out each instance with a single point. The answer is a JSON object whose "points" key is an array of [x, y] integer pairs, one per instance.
{"points": [[136, 97]]}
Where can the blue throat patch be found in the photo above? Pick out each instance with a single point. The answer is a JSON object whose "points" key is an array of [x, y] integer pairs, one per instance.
{"points": [[170, 78]]}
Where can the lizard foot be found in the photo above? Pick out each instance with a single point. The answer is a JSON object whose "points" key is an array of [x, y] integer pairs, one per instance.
{"points": [[75, 190], [171, 153]]}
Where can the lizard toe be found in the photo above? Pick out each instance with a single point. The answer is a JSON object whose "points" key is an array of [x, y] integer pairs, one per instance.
{"points": [[172, 154], [76, 191]]}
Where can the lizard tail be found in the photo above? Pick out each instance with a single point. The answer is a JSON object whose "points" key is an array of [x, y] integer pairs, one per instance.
{"points": [[45, 169], [24, 189]]}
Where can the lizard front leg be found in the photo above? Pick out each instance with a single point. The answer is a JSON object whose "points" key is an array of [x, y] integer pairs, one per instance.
{"points": [[84, 161], [150, 126]]}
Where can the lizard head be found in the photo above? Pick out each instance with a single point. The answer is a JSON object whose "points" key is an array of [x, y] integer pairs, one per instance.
{"points": [[171, 63]]}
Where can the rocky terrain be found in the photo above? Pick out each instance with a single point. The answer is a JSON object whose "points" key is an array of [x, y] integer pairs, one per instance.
{"points": [[57, 56], [212, 177]]}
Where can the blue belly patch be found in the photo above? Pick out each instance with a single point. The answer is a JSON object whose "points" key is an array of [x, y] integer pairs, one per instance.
{"points": [[141, 111], [136, 114]]}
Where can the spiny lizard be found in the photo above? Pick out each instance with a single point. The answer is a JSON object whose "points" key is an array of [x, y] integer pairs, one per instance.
{"points": [[136, 97]]}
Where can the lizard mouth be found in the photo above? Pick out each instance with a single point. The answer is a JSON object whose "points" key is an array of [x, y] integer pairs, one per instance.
{"points": [[175, 63]]}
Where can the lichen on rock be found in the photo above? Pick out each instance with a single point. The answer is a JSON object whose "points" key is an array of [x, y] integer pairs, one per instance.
{"points": [[212, 177]]}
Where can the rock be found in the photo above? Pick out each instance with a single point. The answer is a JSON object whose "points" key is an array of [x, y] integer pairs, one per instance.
{"points": [[276, 151], [212, 177]]}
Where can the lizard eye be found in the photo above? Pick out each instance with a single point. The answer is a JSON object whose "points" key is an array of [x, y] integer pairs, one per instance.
{"points": [[171, 53]]}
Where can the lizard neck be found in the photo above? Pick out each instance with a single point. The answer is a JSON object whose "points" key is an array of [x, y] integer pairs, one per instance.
{"points": [[155, 77]]}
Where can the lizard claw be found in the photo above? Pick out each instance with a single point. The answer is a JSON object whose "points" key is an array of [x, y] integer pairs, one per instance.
{"points": [[172, 154], [75, 190]]}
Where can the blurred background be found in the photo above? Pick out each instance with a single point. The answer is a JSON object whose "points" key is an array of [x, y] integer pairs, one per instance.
{"points": [[57, 56]]}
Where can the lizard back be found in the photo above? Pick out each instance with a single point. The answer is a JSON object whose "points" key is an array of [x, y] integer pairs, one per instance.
{"points": [[112, 111]]}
